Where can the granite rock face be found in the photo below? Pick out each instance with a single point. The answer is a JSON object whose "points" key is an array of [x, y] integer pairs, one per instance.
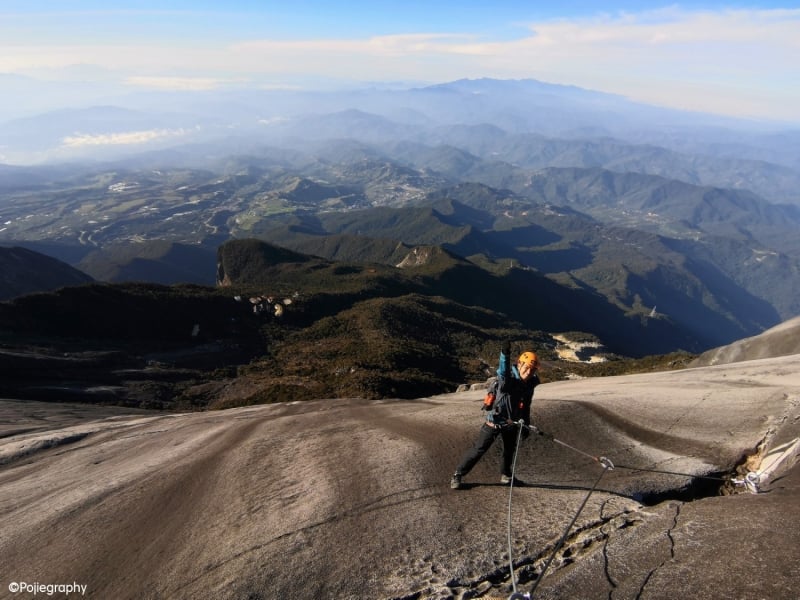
{"points": [[351, 499], [781, 340]]}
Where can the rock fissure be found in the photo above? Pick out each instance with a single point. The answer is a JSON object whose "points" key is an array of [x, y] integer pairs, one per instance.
{"points": [[772, 456], [671, 529], [702, 486], [606, 562], [529, 568], [583, 540], [671, 539]]}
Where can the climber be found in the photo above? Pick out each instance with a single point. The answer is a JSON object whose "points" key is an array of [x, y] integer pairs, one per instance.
{"points": [[515, 384]]}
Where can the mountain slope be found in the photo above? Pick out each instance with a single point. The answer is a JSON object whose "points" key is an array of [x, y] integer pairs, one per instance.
{"points": [[514, 295], [717, 263], [467, 152], [24, 271], [781, 340], [349, 498], [155, 261], [633, 271], [667, 206]]}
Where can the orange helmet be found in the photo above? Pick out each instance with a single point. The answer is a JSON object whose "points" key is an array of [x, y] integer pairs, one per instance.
{"points": [[529, 358]]}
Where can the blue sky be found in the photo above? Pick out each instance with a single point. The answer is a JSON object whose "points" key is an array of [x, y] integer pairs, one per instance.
{"points": [[736, 58]]}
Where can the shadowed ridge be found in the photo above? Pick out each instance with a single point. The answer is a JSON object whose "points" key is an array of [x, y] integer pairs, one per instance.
{"points": [[248, 259], [24, 271]]}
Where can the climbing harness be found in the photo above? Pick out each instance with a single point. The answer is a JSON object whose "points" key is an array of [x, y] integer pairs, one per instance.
{"points": [[607, 466]]}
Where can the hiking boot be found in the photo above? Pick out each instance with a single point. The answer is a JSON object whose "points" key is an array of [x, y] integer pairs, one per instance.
{"points": [[455, 482], [506, 480]]}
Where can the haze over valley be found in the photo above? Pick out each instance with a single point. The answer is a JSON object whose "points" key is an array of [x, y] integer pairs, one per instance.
{"points": [[687, 221]]}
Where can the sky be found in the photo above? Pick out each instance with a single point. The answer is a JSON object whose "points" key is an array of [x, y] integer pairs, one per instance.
{"points": [[732, 57]]}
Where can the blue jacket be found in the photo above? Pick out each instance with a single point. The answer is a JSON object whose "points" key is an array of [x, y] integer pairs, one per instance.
{"points": [[514, 396]]}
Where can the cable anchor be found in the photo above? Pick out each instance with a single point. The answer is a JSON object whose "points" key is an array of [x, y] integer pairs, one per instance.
{"points": [[606, 462], [751, 482]]}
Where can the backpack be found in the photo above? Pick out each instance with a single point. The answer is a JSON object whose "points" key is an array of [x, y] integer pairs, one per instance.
{"points": [[497, 406], [491, 396]]}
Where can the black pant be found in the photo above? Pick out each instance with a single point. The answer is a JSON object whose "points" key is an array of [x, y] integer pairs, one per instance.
{"points": [[485, 440]]}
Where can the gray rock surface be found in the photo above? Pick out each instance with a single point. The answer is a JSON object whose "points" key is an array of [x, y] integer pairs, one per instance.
{"points": [[781, 340], [350, 499]]}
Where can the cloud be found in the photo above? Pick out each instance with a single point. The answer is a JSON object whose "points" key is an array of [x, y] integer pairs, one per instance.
{"points": [[738, 49], [119, 139], [734, 61], [739, 62], [176, 83]]}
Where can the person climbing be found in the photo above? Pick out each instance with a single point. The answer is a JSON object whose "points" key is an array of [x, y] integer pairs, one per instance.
{"points": [[515, 384]]}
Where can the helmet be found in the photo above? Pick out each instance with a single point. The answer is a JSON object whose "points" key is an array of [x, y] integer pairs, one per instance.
{"points": [[529, 358]]}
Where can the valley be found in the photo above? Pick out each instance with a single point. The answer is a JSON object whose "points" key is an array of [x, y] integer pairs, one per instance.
{"points": [[649, 243], [718, 280]]}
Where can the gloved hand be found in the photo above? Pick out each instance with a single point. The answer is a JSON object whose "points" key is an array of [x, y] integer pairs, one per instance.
{"points": [[506, 348]]}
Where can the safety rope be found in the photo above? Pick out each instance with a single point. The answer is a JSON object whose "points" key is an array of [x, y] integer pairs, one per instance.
{"points": [[712, 478], [607, 466], [605, 461], [510, 491], [567, 530], [601, 459]]}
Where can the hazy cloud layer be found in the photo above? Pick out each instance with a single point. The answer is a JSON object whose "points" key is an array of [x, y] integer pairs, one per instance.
{"points": [[119, 139], [741, 62]]}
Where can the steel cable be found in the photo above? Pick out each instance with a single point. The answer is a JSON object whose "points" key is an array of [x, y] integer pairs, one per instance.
{"points": [[566, 531], [510, 491], [607, 466]]}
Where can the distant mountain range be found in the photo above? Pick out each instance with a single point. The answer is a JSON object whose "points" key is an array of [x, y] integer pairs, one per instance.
{"points": [[609, 217], [525, 123]]}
